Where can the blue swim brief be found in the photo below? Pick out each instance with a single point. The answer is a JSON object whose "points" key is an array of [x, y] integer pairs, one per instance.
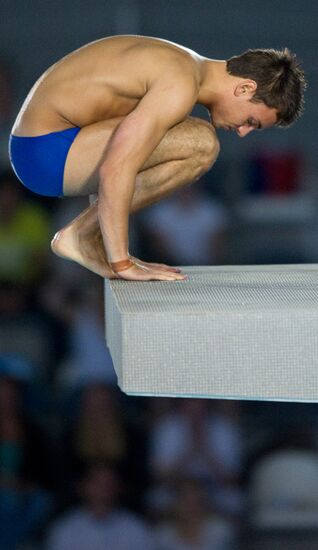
{"points": [[39, 161]]}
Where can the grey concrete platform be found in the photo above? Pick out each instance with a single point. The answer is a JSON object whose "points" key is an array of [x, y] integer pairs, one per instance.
{"points": [[228, 332]]}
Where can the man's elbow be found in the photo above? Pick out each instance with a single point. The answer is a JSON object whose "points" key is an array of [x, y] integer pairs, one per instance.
{"points": [[116, 170]]}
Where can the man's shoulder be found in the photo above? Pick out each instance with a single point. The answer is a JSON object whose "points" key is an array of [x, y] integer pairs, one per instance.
{"points": [[176, 64], [166, 60], [128, 519], [71, 518]]}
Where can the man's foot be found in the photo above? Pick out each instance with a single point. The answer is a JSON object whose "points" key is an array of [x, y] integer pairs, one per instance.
{"points": [[81, 241]]}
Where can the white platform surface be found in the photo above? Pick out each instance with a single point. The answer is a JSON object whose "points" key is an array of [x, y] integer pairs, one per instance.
{"points": [[228, 332]]}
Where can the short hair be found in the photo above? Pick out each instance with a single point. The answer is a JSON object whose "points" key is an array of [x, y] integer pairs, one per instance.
{"points": [[280, 80]]}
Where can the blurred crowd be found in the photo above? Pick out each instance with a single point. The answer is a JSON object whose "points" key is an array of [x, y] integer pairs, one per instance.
{"points": [[85, 467]]}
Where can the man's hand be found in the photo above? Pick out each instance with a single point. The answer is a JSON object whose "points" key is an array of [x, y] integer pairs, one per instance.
{"points": [[144, 271]]}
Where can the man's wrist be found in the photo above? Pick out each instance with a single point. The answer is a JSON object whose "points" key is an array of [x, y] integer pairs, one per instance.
{"points": [[121, 265]]}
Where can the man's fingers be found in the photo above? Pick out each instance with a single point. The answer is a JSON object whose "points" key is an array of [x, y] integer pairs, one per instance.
{"points": [[165, 267], [155, 266], [141, 273], [165, 277]]}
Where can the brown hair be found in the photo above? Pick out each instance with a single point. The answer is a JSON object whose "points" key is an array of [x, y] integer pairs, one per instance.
{"points": [[280, 80]]}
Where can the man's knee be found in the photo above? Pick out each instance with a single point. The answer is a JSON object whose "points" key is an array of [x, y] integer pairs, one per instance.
{"points": [[207, 145]]}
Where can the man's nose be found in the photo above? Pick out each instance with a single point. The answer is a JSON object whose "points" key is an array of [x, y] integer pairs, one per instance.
{"points": [[244, 130]]}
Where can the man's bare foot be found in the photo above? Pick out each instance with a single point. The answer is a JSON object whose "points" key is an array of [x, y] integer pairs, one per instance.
{"points": [[63, 245], [81, 241]]}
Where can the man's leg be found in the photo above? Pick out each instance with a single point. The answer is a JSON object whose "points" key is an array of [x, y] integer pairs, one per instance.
{"points": [[186, 152]]}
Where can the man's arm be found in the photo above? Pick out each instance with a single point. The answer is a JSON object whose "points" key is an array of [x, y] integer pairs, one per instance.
{"points": [[167, 102]]}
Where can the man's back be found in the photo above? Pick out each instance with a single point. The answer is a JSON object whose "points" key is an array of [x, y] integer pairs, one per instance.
{"points": [[101, 80]]}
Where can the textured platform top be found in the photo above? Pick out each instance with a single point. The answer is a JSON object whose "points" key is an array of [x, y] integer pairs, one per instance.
{"points": [[210, 289], [231, 323]]}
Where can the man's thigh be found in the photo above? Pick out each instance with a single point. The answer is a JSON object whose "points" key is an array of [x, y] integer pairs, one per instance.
{"points": [[81, 172], [85, 157]]}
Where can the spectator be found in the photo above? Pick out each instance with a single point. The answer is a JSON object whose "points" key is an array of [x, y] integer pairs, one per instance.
{"points": [[198, 441], [7, 101], [16, 367], [24, 234], [192, 525], [100, 523], [100, 432], [187, 229], [82, 312], [25, 469], [27, 331]]}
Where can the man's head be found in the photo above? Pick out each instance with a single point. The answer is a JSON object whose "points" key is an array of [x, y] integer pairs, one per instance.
{"points": [[99, 487], [265, 88]]}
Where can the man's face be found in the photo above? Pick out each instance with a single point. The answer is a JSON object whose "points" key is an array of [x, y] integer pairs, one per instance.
{"points": [[99, 488], [236, 112]]}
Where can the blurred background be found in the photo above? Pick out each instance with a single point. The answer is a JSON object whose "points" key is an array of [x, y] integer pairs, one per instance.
{"points": [[83, 466]]}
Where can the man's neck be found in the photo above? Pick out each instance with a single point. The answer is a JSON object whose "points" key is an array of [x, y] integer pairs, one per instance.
{"points": [[214, 79], [99, 512]]}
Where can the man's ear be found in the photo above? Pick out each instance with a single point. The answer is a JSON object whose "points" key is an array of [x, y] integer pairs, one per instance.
{"points": [[245, 87]]}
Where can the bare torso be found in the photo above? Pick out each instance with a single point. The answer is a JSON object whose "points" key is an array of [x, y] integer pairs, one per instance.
{"points": [[102, 80]]}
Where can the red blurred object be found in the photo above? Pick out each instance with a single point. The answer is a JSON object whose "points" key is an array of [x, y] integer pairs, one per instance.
{"points": [[276, 173]]}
